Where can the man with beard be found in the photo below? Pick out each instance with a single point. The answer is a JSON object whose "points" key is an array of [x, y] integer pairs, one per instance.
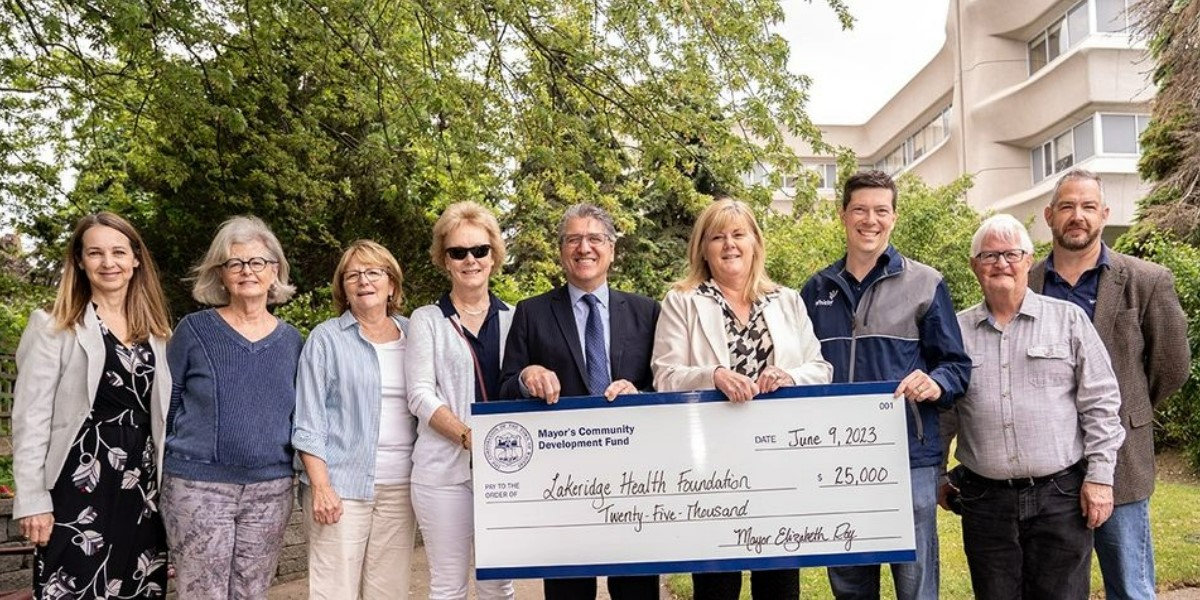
{"points": [[1038, 430], [1133, 305]]}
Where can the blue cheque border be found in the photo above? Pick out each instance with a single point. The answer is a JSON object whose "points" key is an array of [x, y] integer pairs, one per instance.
{"points": [[648, 399], [699, 566]]}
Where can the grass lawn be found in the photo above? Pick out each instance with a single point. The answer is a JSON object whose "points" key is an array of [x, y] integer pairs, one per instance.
{"points": [[1174, 517]]}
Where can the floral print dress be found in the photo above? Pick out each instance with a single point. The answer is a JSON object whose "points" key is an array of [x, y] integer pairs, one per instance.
{"points": [[108, 539]]}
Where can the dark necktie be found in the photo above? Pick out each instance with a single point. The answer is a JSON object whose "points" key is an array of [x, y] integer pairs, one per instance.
{"points": [[593, 340]]}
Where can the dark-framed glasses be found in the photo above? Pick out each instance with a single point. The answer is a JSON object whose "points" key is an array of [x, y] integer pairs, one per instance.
{"points": [[372, 275], [1010, 256], [460, 253], [256, 264]]}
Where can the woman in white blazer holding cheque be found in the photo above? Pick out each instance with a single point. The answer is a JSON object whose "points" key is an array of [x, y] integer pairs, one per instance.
{"points": [[728, 326]]}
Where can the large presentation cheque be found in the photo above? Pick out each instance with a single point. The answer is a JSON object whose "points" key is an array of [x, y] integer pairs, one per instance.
{"points": [[662, 483]]}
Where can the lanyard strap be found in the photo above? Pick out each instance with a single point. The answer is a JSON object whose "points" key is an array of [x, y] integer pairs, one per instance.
{"points": [[478, 369]]}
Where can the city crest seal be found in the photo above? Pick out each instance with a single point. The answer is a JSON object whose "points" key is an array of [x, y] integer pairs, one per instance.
{"points": [[508, 447]]}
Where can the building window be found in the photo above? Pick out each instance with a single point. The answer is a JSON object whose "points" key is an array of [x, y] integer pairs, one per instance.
{"points": [[1112, 16], [1037, 54], [1063, 151], [823, 174], [1069, 29], [1084, 140], [918, 144], [1121, 133], [759, 175], [1118, 134], [893, 162], [826, 175]]}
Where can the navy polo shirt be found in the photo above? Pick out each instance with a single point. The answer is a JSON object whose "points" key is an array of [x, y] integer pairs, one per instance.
{"points": [[857, 287], [1083, 293], [486, 345]]}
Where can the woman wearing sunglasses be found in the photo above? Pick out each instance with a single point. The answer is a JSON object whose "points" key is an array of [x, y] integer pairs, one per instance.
{"points": [[454, 357], [227, 482]]}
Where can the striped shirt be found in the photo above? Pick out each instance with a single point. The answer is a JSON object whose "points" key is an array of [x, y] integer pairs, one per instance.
{"points": [[1042, 396], [338, 404]]}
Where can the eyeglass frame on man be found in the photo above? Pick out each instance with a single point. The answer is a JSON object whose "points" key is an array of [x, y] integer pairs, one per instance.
{"points": [[593, 239], [370, 275], [460, 252], [237, 265], [1012, 256]]}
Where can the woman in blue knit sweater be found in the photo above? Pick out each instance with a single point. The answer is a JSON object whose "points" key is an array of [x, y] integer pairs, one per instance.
{"points": [[227, 483]]}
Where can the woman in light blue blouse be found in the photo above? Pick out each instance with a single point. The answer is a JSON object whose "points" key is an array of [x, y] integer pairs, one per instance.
{"points": [[354, 434]]}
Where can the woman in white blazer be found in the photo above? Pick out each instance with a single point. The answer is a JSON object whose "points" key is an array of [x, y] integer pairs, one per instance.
{"points": [[454, 354], [89, 413], [728, 326]]}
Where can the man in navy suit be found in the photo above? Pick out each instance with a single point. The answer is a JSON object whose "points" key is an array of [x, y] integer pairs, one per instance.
{"points": [[583, 339]]}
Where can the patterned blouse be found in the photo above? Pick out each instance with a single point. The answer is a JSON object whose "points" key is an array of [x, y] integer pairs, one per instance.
{"points": [[751, 348]]}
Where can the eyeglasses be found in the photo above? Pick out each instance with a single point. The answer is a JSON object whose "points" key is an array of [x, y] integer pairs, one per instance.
{"points": [[256, 264], [1010, 256], [460, 253], [593, 239], [371, 275]]}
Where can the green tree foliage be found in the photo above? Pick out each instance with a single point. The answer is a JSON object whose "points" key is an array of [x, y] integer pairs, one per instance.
{"points": [[21, 290], [1179, 418], [364, 118], [934, 225], [1171, 144]]}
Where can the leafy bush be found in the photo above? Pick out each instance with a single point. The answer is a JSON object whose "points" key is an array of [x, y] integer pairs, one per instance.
{"points": [[309, 309], [19, 300]]}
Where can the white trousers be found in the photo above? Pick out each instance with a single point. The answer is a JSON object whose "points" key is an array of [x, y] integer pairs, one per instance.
{"points": [[448, 527], [368, 553]]}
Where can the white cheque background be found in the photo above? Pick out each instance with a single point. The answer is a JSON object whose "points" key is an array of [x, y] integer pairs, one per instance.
{"points": [[714, 481]]}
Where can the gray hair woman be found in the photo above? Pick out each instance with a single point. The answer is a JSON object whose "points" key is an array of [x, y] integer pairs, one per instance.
{"points": [[454, 359], [227, 484], [355, 435], [728, 326]]}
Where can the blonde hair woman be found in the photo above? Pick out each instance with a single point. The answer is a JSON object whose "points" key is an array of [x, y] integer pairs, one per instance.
{"points": [[454, 359], [727, 326]]}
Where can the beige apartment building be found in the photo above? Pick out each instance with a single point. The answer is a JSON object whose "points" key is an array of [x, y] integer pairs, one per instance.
{"points": [[1021, 91]]}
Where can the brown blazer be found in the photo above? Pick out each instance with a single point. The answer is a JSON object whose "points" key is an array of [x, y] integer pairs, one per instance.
{"points": [[1144, 330]]}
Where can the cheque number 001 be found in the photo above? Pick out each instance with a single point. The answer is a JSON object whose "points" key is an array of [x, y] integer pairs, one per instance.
{"points": [[864, 475]]}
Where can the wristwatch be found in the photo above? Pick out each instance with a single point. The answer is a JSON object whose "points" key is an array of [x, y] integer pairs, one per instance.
{"points": [[465, 438]]}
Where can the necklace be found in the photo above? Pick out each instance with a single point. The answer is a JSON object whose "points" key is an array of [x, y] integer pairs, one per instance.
{"points": [[471, 313]]}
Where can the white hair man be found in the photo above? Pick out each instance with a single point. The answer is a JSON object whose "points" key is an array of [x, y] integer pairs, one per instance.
{"points": [[1038, 431]]}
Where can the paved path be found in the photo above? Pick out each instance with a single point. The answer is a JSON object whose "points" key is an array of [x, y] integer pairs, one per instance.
{"points": [[527, 589]]}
